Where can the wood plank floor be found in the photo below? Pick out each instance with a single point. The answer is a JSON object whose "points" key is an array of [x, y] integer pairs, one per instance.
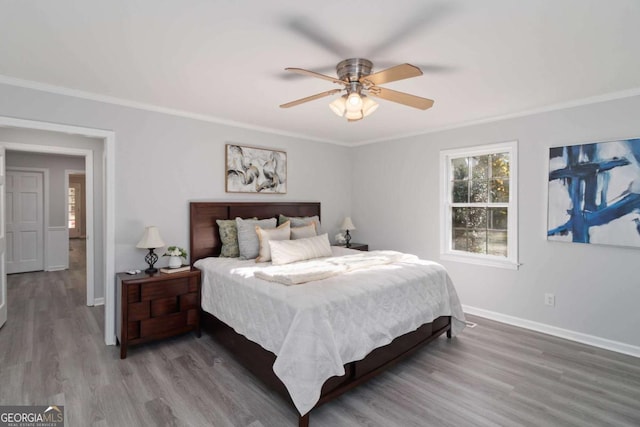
{"points": [[52, 352]]}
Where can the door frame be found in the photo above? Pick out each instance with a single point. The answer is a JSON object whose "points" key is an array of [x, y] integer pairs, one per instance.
{"points": [[67, 173], [108, 160], [45, 210], [88, 164]]}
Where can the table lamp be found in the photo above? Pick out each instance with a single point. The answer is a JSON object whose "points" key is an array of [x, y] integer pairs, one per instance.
{"points": [[151, 240], [347, 225]]}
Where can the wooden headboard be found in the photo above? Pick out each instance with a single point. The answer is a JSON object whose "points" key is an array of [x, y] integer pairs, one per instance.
{"points": [[204, 237]]}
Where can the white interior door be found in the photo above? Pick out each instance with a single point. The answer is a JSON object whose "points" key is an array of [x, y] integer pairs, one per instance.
{"points": [[3, 245], [24, 221]]}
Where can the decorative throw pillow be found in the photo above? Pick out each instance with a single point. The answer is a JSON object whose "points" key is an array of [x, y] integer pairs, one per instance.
{"points": [[248, 242], [287, 251], [282, 232], [299, 221], [229, 238], [304, 231]]}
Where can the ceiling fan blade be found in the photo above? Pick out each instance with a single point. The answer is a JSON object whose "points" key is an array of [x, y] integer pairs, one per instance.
{"points": [[420, 21], [401, 98], [399, 72], [310, 98], [424, 67], [314, 74], [317, 35]]}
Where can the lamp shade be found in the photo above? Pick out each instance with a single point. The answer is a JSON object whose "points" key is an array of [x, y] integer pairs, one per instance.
{"points": [[347, 224], [151, 238], [368, 106], [339, 106]]}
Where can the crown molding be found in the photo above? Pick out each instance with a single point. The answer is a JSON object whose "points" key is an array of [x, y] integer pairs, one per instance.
{"points": [[549, 108], [61, 90]]}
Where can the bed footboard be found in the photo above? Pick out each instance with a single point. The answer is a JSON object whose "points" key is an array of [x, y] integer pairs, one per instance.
{"points": [[260, 361]]}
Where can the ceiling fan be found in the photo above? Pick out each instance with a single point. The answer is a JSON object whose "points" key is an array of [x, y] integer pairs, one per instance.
{"points": [[360, 85]]}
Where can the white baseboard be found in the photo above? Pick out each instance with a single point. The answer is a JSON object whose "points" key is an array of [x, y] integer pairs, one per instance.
{"points": [[98, 301], [592, 340], [56, 268]]}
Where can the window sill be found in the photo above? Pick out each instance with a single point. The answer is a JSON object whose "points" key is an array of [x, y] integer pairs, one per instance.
{"points": [[480, 260]]}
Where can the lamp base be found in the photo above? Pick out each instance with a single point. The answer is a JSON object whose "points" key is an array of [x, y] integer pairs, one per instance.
{"points": [[347, 238], [151, 258]]}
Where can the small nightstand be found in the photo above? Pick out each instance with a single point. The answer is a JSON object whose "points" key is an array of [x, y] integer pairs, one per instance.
{"points": [[357, 246], [157, 306]]}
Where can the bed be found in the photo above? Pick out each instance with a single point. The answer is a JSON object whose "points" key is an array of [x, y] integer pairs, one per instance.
{"points": [[205, 243]]}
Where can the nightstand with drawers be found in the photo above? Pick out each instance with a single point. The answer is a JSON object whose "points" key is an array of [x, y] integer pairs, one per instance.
{"points": [[157, 306], [357, 246]]}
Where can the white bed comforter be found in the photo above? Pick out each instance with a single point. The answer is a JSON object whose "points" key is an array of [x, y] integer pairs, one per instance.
{"points": [[316, 327]]}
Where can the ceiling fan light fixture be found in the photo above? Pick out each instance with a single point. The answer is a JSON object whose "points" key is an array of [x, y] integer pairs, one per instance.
{"points": [[354, 102], [368, 106], [354, 115], [339, 105]]}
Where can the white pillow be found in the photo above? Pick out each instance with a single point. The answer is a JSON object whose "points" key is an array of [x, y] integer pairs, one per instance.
{"points": [[282, 232], [287, 251], [304, 231], [248, 243]]}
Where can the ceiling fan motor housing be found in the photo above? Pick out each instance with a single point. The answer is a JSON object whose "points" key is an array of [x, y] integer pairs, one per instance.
{"points": [[351, 70]]}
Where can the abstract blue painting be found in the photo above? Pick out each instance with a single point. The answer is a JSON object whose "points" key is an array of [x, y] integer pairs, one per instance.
{"points": [[594, 193]]}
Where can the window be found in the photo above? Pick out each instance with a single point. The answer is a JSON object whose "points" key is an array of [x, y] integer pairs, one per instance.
{"points": [[479, 202], [72, 207]]}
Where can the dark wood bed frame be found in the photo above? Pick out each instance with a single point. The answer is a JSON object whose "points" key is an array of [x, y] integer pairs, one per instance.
{"points": [[205, 242]]}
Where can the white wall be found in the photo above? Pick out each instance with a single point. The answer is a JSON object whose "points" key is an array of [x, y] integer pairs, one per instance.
{"points": [[163, 162], [56, 164], [395, 205]]}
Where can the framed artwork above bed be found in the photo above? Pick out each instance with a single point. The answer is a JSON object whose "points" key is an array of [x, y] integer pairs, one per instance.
{"points": [[255, 170]]}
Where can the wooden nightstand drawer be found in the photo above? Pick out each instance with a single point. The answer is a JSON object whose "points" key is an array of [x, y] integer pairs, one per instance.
{"points": [[188, 301], [139, 311], [133, 293], [152, 307], [164, 324], [165, 288], [133, 330], [163, 306]]}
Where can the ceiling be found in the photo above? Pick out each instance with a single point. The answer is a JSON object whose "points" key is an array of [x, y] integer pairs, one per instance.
{"points": [[224, 60]]}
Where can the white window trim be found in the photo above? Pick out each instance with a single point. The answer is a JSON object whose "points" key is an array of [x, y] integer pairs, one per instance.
{"points": [[446, 252]]}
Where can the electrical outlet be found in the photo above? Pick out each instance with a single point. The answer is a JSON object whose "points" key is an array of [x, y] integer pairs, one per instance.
{"points": [[550, 299]]}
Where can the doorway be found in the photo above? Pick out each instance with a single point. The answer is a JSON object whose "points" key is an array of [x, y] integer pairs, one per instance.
{"points": [[105, 262]]}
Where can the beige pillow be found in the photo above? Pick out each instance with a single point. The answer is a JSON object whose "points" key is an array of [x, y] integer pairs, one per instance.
{"points": [[299, 221], [303, 232], [282, 232], [287, 251]]}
